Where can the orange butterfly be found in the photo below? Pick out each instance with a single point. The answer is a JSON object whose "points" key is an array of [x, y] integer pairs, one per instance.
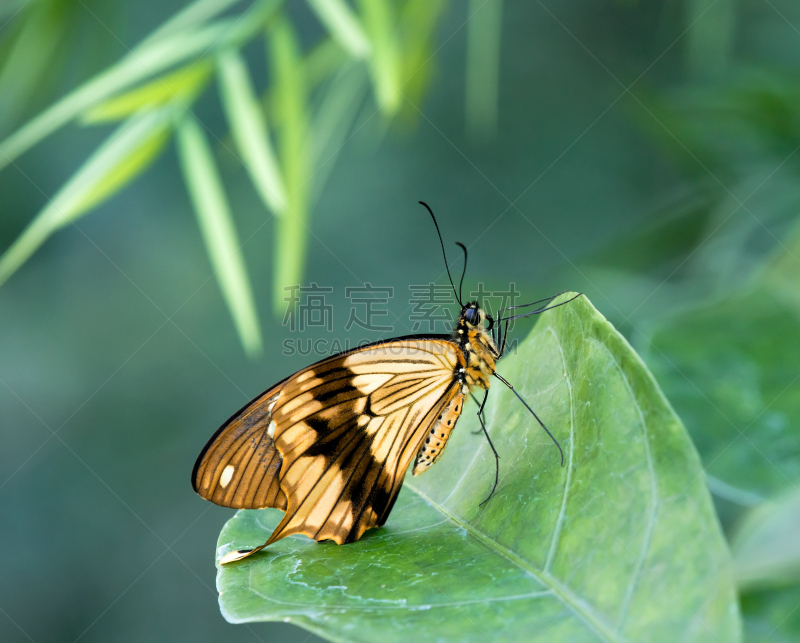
{"points": [[330, 444]]}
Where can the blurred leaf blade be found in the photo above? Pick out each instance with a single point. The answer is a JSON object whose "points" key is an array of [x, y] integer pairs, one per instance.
{"points": [[581, 553], [29, 58], [291, 103], [484, 35], [218, 230], [333, 121], [729, 367], [343, 25], [181, 86], [249, 128], [132, 69], [187, 18], [418, 23], [385, 62], [124, 155], [766, 549]]}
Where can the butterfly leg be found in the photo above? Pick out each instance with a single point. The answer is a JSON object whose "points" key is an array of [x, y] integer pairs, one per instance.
{"points": [[496, 456], [478, 402], [519, 397]]}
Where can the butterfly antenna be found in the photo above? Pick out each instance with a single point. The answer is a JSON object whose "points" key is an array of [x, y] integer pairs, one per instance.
{"points": [[540, 310], [464, 271], [443, 252], [508, 384]]}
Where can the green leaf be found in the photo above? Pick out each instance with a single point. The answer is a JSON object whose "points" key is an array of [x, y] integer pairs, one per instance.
{"points": [[180, 86], [343, 25], [730, 369], [124, 155], [218, 230], [772, 615], [192, 15], [483, 67], [249, 129], [621, 544], [766, 547], [137, 66], [339, 105], [29, 57], [385, 68], [418, 22], [290, 95]]}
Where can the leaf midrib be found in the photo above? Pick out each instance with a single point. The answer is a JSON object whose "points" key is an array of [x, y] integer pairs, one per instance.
{"points": [[564, 594]]}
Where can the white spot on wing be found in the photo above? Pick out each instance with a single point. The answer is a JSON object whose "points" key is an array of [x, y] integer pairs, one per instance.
{"points": [[227, 474]]}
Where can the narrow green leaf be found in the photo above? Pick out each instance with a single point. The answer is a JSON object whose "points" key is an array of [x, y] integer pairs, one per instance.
{"points": [[192, 15], [124, 155], [385, 68], [711, 28], [766, 547], [343, 25], [181, 85], [219, 232], [137, 66], [291, 104], [249, 129], [333, 121], [484, 30], [621, 544], [418, 23], [324, 60], [28, 58]]}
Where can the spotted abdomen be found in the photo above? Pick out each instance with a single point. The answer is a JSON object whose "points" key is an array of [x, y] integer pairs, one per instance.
{"points": [[439, 433]]}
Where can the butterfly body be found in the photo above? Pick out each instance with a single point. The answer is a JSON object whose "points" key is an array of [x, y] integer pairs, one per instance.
{"points": [[478, 347]]}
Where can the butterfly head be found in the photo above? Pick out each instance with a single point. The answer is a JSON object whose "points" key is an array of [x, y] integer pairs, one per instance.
{"points": [[473, 317]]}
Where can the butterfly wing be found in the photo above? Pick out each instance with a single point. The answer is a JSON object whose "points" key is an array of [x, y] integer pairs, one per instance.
{"points": [[345, 430], [239, 466]]}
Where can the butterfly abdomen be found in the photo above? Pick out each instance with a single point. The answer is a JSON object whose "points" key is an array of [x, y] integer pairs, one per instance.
{"points": [[436, 439]]}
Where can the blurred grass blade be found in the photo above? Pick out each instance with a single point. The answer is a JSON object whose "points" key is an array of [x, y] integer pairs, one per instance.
{"points": [[181, 85], [191, 16], [132, 69], [343, 25], [219, 233], [385, 68], [249, 129], [9, 8], [483, 66], [291, 104], [125, 154], [418, 23], [333, 121], [709, 39], [28, 58], [324, 60]]}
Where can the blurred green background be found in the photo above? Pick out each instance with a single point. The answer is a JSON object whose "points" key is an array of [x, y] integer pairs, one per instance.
{"points": [[643, 153]]}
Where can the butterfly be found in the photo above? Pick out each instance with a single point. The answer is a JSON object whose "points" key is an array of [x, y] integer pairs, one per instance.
{"points": [[330, 445]]}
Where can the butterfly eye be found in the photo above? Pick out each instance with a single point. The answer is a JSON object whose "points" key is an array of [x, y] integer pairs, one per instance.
{"points": [[471, 315]]}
